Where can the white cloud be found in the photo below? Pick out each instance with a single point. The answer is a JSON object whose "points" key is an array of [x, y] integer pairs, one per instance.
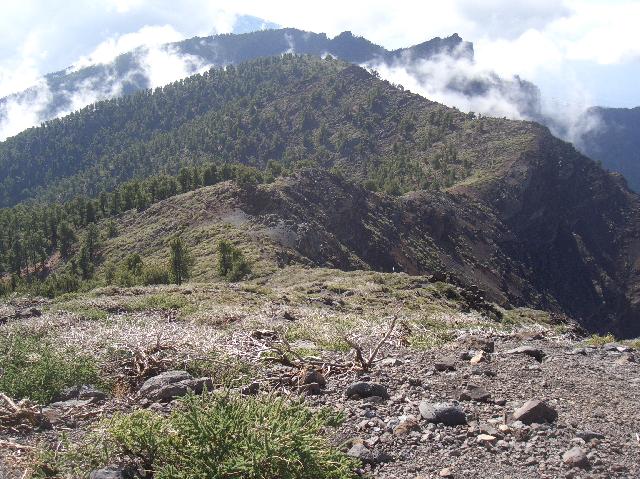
{"points": [[455, 82], [108, 50], [508, 18], [18, 114], [163, 65], [603, 32]]}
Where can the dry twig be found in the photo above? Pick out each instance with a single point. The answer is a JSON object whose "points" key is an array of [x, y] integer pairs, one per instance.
{"points": [[367, 364], [21, 415]]}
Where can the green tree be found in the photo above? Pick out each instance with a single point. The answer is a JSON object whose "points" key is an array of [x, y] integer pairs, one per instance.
{"points": [[85, 263], [66, 238], [180, 260], [232, 264]]}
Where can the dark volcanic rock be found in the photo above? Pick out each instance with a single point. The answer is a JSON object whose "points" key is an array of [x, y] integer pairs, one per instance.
{"points": [[172, 384], [110, 473], [536, 353], [576, 457], [535, 410], [446, 364], [368, 456], [474, 393], [365, 390], [446, 413]]}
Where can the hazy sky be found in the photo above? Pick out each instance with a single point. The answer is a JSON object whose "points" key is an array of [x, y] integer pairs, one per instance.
{"points": [[575, 50]]}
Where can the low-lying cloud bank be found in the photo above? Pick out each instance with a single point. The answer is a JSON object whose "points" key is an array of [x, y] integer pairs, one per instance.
{"points": [[459, 82], [154, 66]]}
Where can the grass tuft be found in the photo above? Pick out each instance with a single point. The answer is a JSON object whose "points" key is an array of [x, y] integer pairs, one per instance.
{"points": [[31, 367], [598, 340]]}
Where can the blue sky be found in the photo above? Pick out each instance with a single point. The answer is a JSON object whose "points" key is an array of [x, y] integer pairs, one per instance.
{"points": [[585, 51]]}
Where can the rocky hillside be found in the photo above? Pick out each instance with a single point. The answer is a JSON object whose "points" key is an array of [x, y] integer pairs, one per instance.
{"points": [[551, 246], [450, 391], [499, 203]]}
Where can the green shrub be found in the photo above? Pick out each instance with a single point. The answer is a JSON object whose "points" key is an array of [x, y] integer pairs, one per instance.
{"points": [[54, 285], [155, 274], [161, 301], [232, 264], [32, 367], [218, 436], [597, 340], [5, 288]]}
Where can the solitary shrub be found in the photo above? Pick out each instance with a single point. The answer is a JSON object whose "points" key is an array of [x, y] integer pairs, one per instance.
{"points": [[133, 264], [598, 340], [32, 368], [219, 436]]}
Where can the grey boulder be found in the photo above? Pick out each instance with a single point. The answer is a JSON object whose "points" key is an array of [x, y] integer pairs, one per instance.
{"points": [[365, 390], [172, 384], [448, 414]]}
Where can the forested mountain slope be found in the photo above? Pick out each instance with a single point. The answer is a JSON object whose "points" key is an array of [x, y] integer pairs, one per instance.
{"points": [[497, 203], [132, 71], [288, 109]]}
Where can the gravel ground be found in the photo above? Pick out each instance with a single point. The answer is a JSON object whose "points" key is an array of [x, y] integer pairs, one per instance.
{"points": [[594, 390]]}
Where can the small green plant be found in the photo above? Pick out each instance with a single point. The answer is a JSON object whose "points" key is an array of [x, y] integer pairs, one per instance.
{"points": [[232, 264], [598, 340], [633, 343], [33, 368], [157, 302], [217, 435]]}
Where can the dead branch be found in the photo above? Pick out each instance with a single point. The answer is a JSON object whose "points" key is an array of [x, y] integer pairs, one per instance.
{"points": [[367, 364], [21, 415]]}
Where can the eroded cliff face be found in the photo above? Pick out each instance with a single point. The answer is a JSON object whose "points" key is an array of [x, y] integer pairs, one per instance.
{"points": [[551, 230], [575, 227]]}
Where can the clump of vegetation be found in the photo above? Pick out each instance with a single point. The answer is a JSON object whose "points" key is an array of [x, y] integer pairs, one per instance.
{"points": [[31, 367], [157, 302], [216, 436], [598, 340], [223, 370], [232, 264]]}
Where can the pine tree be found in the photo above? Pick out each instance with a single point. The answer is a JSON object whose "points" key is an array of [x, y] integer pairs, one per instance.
{"points": [[66, 237], [180, 260]]}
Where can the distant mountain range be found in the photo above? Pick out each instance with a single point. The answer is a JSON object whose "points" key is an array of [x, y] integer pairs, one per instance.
{"points": [[400, 183], [612, 137]]}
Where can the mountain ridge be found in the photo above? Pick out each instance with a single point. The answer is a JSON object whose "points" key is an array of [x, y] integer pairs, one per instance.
{"points": [[527, 217], [126, 74]]}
